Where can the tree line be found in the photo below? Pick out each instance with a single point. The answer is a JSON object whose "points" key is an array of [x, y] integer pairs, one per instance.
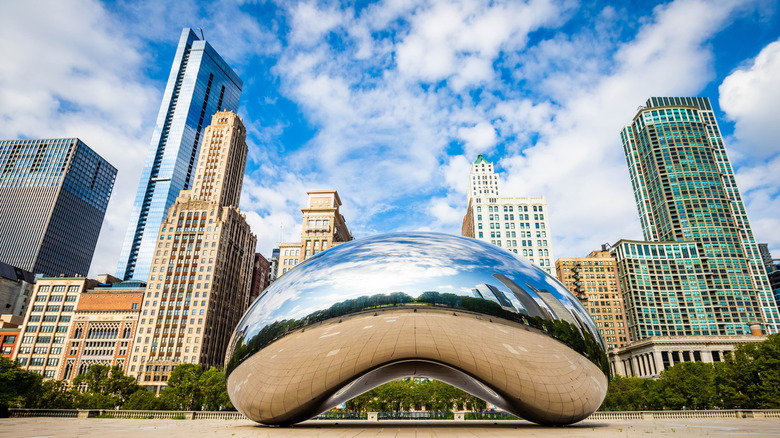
{"points": [[748, 378], [190, 388], [415, 394]]}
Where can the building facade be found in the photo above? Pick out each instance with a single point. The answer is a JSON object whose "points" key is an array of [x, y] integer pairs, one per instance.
{"points": [[686, 194], [261, 276], [519, 224], [649, 357], [200, 84], [201, 268], [104, 325], [48, 322], [594, 280], [273, 265], [53, 196], [323, 228], [9, 334], [16, 287]]}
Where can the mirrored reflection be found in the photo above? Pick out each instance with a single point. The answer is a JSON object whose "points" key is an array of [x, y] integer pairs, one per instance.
{"points": [[411, 272]]}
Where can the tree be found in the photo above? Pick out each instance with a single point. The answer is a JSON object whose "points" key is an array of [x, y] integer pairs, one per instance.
{"points": [[18, 388], [749, 377], [214, 387], [143, 400], [184, 391], [103, 387], [688, 385]]}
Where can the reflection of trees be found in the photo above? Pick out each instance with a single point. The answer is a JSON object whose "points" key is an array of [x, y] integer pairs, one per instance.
{"points": [[582, 342]]}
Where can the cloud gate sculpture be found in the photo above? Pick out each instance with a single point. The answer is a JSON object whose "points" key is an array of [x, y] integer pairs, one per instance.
{"points": [[416, 305]]}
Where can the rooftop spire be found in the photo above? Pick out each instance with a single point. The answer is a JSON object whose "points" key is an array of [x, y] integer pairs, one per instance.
{"points": [[481, 159]]}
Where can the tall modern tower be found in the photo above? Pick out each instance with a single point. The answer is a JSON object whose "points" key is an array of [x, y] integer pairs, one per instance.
{"points": [[200, 84], [712, 280], [53, 196], [202, 264], [521, 224]]}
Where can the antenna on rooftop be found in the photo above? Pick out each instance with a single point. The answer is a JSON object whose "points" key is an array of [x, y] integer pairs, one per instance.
{"points": [[201, 33]]}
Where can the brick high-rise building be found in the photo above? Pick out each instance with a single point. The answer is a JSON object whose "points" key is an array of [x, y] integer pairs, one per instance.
{"points": [[201, 267], [593, 279], [521, 224], [323, 228]]}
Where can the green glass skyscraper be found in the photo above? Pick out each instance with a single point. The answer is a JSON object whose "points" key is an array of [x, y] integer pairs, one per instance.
{"points": [[686, 193]]}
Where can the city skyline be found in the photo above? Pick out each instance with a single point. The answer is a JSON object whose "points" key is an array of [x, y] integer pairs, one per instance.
{"points": [[344, 99]]}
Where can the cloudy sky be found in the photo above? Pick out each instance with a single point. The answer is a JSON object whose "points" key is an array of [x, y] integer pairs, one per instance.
{"points": [[389, 102]]}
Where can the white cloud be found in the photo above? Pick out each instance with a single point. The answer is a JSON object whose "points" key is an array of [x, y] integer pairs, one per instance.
{"points": [[479, 138], [68, 71], [749, 96]]}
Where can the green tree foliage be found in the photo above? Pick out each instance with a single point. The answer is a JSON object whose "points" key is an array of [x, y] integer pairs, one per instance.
{"points": [[103, 387], [18, 388], [411, 394], [629, 394], [192, 389], [750, 376]]}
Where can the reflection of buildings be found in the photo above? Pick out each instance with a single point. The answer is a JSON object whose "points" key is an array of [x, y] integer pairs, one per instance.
{"points": [[491, 293], [103, 328], [323, 228], [201, 269], [698, 274], [518, 224], [200, 83], [261, 276], [53, 196], [16, 286], [593, 280]]}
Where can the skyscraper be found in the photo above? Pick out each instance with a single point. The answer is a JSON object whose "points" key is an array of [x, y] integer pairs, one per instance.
{"points": [[200, 84], [202, 264], [519, 223], [688, 200], [53, 196]]}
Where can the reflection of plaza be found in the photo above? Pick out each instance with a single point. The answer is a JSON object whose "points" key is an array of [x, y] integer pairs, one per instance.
{"points": [[459, 298]]}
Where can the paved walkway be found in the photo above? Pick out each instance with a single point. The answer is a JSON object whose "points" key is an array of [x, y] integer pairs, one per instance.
{"points": [[99, 427]]}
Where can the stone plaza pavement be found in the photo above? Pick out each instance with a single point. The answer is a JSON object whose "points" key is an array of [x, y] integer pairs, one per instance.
{"points": [[99, 427]]}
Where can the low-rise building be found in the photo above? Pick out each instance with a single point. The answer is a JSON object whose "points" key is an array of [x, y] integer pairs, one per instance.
{"points": [[48, 322], [323, 228], [649, 357], [104, 325]]}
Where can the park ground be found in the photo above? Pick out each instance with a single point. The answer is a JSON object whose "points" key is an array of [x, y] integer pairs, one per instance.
{"points": [[98, 427]]}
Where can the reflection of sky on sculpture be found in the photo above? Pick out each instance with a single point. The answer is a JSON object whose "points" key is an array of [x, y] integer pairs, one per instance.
{"points": [[412, 263]]}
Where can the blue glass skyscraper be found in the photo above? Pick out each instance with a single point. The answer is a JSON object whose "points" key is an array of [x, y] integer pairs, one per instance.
{"points": [[53, 196], [200, 84]]}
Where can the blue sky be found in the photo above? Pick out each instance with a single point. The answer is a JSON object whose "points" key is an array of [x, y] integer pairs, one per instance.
{"points": [[389, 102]]}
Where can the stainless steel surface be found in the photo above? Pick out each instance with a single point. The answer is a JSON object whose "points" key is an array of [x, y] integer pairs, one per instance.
{"points": [[416, 304]]}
